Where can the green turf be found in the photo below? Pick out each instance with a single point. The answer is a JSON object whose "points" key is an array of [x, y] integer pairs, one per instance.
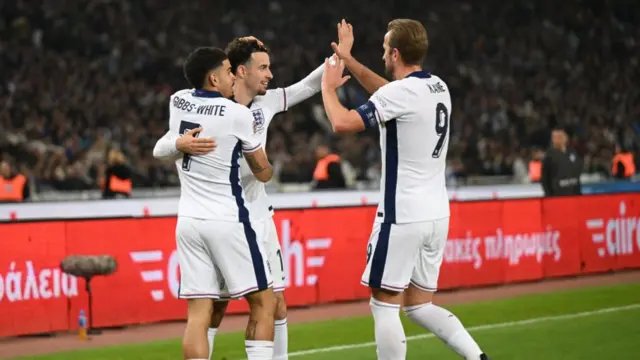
{"points": [[610, 336]]}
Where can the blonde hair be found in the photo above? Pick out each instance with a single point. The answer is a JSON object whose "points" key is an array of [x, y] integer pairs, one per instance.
{"points": [[116, 157]]}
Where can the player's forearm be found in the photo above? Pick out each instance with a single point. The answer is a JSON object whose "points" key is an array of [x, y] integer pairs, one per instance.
{"points": [[367, 78], [165, 147], [305, 88], [336, 113], [259, 165]]}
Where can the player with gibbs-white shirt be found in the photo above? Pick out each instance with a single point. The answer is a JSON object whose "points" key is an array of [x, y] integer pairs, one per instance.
{"points": [[218, 246], [250, 63], [412, 113]]}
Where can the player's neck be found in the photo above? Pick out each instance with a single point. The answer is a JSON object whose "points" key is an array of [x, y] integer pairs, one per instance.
{"points": [[242, 95], [402, 71], [211, 89]]}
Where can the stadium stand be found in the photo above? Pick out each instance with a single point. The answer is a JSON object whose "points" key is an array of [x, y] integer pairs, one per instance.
{"points": [[82, 77]]}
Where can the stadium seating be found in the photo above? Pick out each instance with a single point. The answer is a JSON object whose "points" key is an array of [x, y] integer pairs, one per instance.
{"points": [[81, 77]]}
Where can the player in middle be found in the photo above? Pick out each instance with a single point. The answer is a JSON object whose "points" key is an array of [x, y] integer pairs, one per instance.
{"points": [[250, 64]]}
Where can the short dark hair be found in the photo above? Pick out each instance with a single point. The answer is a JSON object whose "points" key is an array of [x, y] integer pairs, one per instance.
{"points": [[410, 38], [559, 128], [239, 52], [200, 62]]}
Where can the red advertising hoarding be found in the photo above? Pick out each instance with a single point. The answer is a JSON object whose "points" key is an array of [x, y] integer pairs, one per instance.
{"points": [[324, 252]]}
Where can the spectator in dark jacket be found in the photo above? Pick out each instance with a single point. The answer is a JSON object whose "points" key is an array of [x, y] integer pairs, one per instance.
{"points": [[561, 167]]}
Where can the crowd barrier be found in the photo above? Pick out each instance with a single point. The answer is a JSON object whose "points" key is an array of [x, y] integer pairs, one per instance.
{"points": [[324, 253]]}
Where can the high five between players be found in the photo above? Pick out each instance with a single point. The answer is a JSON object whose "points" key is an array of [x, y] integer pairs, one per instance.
{"points": [[222, 192]]}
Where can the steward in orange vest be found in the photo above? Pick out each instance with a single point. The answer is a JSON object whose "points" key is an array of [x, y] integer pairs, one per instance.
{"points": [[623, 165], [535, 170], [328, 172], [117, 177], [13, 187]]}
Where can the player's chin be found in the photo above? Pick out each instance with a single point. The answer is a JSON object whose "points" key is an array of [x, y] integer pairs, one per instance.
{"points": [[262, 91]]}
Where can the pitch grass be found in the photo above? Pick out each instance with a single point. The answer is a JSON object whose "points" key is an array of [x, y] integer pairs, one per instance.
{"points": [[613, 335]]}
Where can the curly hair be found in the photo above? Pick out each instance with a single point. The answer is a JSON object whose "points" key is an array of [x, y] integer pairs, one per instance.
{"points": [[239, 52]]}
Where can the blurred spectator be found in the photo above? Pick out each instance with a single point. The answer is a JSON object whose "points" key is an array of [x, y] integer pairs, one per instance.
{"points": [[328, 172], [79, 77], [14, 187]]}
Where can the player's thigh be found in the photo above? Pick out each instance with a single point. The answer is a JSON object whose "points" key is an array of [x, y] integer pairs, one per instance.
{"points": [[198, 274], [427, 270], [391, 255], [274, 255], [238, 250]]}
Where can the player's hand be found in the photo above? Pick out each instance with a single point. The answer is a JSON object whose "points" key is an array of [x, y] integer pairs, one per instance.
{"points": [[251, 38], [345, 40], [333, 70], [192, 145]]}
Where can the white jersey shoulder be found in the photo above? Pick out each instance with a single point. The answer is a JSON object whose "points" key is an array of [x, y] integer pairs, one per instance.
{"points": [[210, 184], [413, 115], [263, 109]]}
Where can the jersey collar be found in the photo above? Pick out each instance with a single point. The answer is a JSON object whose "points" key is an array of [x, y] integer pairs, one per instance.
{"points": [[421, 74], [248, 105], [206, 93]]}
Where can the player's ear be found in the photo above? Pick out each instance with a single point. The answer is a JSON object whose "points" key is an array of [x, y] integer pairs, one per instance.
{"points": [[395, 54], [211, 78], [241, 71]]}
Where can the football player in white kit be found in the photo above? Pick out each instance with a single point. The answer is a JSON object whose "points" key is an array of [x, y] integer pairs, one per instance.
{"points": [[412, 220], [250, 63], [218, 246]]}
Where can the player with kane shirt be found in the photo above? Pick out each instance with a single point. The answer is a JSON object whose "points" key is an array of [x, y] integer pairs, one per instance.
{"points": [[412, 113], [250, 63]]}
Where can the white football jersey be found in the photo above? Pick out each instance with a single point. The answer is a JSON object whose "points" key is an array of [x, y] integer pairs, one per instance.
{"points": [[413, 116], [263, 109], [210, 185]]}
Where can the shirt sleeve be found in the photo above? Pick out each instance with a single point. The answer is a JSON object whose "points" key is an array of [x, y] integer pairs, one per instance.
{"points": [[243, 130], [275, 100], [165, 147], [303, 89], [386, 104]]}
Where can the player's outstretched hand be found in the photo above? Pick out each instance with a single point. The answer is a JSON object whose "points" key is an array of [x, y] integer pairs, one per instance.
{"points": [[345, 40], [251, 38], [192, 145], [333, 70]]}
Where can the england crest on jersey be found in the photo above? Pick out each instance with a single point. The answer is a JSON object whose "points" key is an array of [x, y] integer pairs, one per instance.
{"points": [[258, 121]]}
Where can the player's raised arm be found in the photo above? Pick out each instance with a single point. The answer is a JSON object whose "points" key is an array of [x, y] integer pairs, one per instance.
{"points": [[304, 89], [383, 106], [342, 120], [252, 149], [367, 78]]}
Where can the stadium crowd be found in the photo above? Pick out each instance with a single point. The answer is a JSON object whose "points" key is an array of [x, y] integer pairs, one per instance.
{"points": [[80, 78]]}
